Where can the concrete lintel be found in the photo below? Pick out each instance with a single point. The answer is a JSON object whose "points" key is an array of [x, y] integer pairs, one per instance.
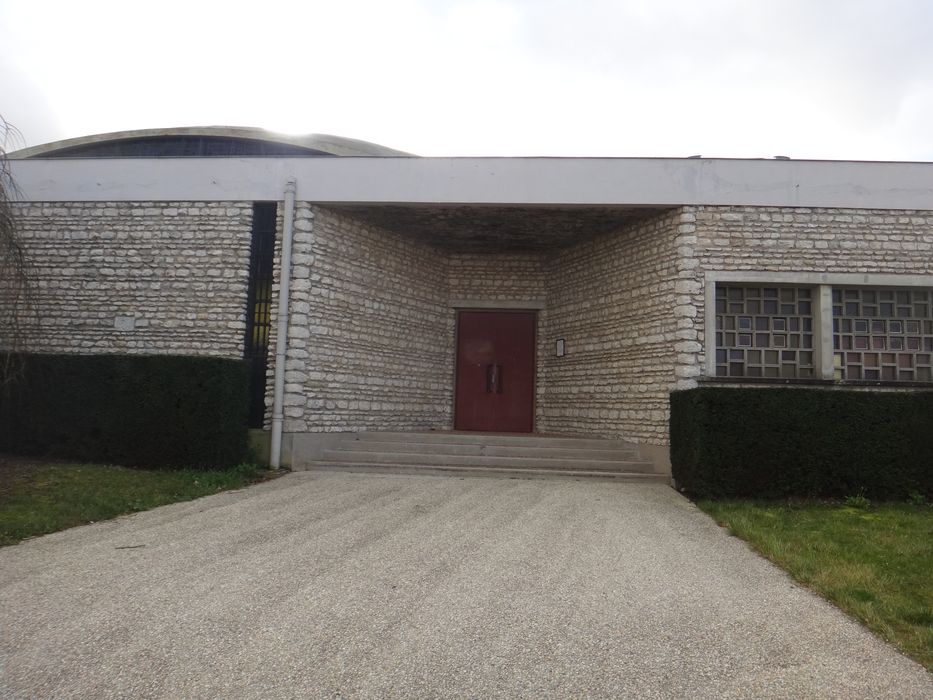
{"points": [[496, 304], [630, 182], [836, 279]]}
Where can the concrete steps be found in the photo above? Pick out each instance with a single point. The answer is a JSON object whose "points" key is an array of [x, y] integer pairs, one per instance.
{"points": [[373, 468], [483, 454]]}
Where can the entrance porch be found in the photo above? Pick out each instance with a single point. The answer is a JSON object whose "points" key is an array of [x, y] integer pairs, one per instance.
{"points": [[378, 294]]}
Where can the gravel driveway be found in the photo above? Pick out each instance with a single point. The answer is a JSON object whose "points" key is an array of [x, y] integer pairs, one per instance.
{"points": [[356, 585]]}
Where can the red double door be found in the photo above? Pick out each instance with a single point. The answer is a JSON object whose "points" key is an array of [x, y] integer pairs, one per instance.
{"points": [[495, 371]]}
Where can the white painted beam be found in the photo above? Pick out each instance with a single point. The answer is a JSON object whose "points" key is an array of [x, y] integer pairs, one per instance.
{"points": [[626, 182]]}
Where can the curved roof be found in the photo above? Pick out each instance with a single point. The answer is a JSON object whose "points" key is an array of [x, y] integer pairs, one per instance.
{"points": [[203, 141]]}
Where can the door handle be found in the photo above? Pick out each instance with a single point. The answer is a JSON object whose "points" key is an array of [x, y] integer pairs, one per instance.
{"points": [[493, 379]]}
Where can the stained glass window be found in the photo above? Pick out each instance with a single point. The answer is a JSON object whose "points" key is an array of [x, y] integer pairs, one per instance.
{"points": [[764, 331], [884, 334]]}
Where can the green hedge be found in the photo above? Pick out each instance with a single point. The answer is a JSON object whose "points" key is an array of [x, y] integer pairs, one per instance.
{"points": [[779, 442], [151, 411]]}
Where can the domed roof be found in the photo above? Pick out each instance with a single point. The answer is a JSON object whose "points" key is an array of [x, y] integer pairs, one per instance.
{"points": [[203, 141]]}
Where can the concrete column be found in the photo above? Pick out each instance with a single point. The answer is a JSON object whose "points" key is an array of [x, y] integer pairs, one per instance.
{"points": [[823, 332]]}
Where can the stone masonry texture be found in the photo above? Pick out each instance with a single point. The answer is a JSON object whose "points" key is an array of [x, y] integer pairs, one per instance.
{"points": [[373, 311], [138, 277], [782, 239], [612, 300], [368, 330], [372, 318]]}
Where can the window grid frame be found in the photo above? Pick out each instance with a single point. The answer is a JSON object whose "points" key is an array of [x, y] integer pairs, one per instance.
{"points": [[882, 334], [768, 313], [910, 360]]}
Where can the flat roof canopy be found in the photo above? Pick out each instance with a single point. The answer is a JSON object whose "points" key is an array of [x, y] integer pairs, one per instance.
{"points": [[611, 182], [482, 228]]}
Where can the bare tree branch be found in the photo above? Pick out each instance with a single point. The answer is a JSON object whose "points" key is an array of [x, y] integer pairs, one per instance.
{"points": [[15, 287]]}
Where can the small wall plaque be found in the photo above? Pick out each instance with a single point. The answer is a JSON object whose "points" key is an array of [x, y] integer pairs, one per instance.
{"points": [[560, 349], [125, 323]]}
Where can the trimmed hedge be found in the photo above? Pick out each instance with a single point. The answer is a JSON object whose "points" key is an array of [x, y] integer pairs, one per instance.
{"points": [[155, 411], [810, 442]]}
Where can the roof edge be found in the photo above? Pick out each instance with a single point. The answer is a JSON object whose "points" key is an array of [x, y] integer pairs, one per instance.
{"points": [[326, 143]]}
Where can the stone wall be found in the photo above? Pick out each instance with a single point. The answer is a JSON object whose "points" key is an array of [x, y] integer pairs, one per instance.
{"points": [[497, 277], [612, 299], [372, 341], [813, 240], [372, 316], [369, 330], [787, 240], [138, 277], [372, 323]]}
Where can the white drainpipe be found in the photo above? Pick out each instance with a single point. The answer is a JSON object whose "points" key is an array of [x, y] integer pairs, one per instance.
{"points": [[281, 337]]}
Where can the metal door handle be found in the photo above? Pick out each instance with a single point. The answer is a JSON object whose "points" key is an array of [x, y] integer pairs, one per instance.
{"points": [[493, 379]]}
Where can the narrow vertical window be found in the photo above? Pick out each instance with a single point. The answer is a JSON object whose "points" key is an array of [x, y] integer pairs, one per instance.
{"points": [[259, 307]]}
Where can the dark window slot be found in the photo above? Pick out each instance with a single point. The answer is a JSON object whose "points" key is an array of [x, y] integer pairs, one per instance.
{"points": [[259, 307]]}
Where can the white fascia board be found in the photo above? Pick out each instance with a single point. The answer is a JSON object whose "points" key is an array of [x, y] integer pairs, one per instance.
{"points": [[629, 182]]}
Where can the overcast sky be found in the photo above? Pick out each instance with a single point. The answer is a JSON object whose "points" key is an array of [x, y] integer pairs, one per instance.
{"points": [[837, 79]]}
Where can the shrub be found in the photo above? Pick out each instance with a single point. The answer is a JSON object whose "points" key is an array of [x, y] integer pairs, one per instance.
{"points": [[148, 411], [811, 442], [857, 501]]}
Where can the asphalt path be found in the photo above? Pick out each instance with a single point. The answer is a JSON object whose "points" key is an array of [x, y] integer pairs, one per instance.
{"points": [[381, 586]]}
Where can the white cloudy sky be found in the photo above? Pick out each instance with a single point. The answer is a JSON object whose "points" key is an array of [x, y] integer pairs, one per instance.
{"points": [[848, 79]]}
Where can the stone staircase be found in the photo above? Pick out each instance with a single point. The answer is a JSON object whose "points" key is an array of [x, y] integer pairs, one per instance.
{"points": [[478, 454]]}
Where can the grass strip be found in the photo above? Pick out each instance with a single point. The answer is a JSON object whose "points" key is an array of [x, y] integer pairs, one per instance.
{"points": [[39, 498], [875, 563]]}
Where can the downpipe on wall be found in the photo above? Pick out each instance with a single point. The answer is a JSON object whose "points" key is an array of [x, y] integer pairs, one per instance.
{"points": [[281, 337]]}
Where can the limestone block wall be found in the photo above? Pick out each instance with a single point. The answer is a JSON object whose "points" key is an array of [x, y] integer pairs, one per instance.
{"points": [[800, 239], [372, 326], [497, 277], [138, 277], [817, 240], [369, 329], [614, 301]]}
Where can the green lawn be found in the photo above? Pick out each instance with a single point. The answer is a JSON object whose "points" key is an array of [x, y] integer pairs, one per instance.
{"points": [[875, 563], [41, 497]]}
